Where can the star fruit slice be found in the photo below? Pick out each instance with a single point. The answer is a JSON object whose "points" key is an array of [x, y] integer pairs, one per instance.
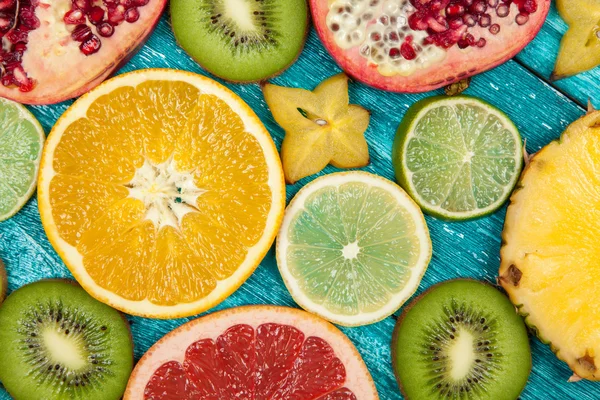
{"points": [[580, 47], [321, 127]]}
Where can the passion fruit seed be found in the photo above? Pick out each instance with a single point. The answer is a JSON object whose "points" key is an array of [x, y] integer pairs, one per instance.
{"points": [[403, 36]]}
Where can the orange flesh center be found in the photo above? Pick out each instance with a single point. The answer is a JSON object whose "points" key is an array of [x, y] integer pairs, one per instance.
{"points": [[161, 190]]}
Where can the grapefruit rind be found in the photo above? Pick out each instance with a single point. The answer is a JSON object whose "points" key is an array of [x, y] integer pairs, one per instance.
{"points": [[73, 259], [173, 346]]}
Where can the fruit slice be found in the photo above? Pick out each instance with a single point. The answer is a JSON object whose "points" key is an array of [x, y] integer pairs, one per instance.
{"points": [[162, 191], [458, 157], [59, 343], [580, 47], [253, 352], [60, 49], [416, 45], [3, 282], [549, 259], [241, 40], [461, 339], [21, 143], [320, 127], [352, 248]]}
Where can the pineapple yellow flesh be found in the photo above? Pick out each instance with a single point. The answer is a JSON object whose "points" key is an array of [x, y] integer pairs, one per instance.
{"points": [[551, 257]]}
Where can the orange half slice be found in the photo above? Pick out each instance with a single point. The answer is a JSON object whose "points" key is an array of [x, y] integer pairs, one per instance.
{"points": [[162, 191]]}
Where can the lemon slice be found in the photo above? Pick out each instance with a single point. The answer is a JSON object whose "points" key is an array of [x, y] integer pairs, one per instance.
{"points": [[352, 247], [21, 143], [162, 191]]}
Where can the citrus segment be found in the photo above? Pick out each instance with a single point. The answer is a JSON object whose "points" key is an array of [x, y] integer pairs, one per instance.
{"points": [[161, 191], [254, 352], [21, 142], [352, 247], [458, 157]]}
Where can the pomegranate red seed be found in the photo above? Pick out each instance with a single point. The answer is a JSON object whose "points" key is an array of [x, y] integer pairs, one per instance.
{"points": [[481, 42], [407, 51], [495, 29], [478, 7], [469, 20], [116, 15], [74, 17], [141, 3], [6, 22], [132, 15], [463, 44], [492, 3], [28, 18], [19, 48], [20, 78], [417, 22], [105, 29], [394, 53], [8, 79], [91, 45], [96, 15], [522, 19], [4, 4], [18, 35], [82, 4], [485, 20], [455, 23], [394, 36], [502, 10], [81, 33], [455, 10], [470, 39]]}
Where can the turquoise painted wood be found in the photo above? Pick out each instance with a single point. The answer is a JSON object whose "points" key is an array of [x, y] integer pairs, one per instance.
{"points": [[471, 249]]}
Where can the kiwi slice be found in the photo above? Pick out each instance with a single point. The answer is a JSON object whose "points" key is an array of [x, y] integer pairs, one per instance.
{"points": [[3, 282], [59, 343], [461, 339], [241, 40]]}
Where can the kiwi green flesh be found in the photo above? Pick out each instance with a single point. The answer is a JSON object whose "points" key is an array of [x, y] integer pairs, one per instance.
{"points": [[241, 40], [461, 339], [59, 343]]}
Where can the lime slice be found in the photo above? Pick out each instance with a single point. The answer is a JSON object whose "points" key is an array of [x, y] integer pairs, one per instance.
{"points": [[458, 157], [21, 142], [352, 248]]}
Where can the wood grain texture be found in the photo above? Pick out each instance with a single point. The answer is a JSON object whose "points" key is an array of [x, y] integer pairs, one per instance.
{"points": [[468, 249]]}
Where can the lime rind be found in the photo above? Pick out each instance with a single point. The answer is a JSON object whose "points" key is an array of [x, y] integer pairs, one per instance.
{"points": [[21, 142], [458, 157], [352, 248]]}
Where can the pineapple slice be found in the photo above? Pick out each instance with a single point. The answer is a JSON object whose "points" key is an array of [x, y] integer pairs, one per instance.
{"points": [[551, 254]]}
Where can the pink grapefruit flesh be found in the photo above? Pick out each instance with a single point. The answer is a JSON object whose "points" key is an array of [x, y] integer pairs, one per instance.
{"points": [[253, 352]]}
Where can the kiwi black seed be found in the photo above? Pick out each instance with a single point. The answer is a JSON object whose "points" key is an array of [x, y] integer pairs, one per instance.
{"points": [[241, 40], [59, 343], [462, 339]]}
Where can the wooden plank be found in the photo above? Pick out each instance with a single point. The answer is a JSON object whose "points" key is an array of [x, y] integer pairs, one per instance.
{"points": [[460, 249], [540, 57]]}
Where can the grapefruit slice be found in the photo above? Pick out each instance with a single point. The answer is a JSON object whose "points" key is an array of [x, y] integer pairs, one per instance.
{"points": [[253, 352]]}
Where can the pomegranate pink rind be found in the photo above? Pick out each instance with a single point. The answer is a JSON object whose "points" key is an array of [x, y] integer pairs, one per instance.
{"points": [[517, 29]]}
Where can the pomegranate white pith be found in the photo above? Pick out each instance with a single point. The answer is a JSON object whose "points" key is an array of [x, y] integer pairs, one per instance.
{"points": [[73, 46], [420, 45], [174, 345]]}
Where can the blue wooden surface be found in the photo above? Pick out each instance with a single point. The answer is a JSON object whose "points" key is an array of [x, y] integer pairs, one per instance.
{"points": [[519, 87]]}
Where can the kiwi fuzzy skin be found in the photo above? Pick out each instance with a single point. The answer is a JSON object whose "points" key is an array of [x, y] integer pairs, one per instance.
{"points": [[394, 341], [265, 79]]}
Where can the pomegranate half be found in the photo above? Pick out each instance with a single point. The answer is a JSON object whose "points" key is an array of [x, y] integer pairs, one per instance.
{"points": [[421, 45], [54, 50]]}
